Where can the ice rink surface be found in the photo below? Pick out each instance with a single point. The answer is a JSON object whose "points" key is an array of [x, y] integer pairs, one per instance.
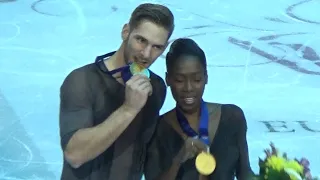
{"points": [[262, 55]]}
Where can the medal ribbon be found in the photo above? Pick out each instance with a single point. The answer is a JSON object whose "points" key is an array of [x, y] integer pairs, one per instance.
{"points": [[125, 70], [203, 126]]}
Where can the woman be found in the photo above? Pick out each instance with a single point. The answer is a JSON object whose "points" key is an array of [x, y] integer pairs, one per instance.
{"points": [[196, 126]]}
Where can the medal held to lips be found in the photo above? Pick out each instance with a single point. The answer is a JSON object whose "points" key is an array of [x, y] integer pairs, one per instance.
{"points": [[138, 69], [205, 163]]}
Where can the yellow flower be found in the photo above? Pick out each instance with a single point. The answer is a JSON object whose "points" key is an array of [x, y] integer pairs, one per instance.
{"points": [[293, 174], [295, 166], [276, 162]]}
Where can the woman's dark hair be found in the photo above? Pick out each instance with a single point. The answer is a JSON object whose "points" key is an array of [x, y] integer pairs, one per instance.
{"points": [[184, 47]]}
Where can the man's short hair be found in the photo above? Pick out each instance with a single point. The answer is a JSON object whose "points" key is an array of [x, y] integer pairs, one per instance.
{"points": [[156, 13]]}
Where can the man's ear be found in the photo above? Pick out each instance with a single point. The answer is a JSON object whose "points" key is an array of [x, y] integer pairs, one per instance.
{"points": [[125, 32]]}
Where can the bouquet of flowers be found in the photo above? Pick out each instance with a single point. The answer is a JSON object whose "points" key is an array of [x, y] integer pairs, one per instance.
{"points": [[278, 167]]}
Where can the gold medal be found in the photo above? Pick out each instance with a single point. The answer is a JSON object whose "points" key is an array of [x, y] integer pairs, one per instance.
{"points": [[205, 163], [138, 69]]}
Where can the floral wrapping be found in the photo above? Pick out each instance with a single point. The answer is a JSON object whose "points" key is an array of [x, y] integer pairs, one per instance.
{"points": [[279, 167]]}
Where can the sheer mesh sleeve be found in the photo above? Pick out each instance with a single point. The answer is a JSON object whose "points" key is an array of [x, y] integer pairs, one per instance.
{"points": [[75, 105], [158, 157], [161, 91], [160, 154], [243, 170]]}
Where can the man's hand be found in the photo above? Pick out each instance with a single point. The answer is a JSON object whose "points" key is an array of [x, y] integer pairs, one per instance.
{"points": [[138, 88]]}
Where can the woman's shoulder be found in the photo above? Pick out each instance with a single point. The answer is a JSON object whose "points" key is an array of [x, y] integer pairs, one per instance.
{"points": [[164, 122], [231, 113], [166, 117], [225, 108], [232, 108]]}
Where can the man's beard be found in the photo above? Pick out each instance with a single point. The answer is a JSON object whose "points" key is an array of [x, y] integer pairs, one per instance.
{"points": [[130, 59]]}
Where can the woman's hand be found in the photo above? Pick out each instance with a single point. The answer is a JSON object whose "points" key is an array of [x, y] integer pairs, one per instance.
{"points": [[191, 148]]}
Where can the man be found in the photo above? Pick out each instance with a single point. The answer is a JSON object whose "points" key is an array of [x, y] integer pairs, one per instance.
{"points": [[106, 120]]}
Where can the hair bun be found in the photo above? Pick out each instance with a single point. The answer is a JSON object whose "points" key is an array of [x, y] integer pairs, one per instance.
{"points": [[177, 46], [182, 47]]}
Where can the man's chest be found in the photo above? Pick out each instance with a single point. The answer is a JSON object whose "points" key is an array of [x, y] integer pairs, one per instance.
{"points": [[143, 125]]}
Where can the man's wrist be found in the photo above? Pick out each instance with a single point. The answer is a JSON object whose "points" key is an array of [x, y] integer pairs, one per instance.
{"points": [[129, 111]]}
